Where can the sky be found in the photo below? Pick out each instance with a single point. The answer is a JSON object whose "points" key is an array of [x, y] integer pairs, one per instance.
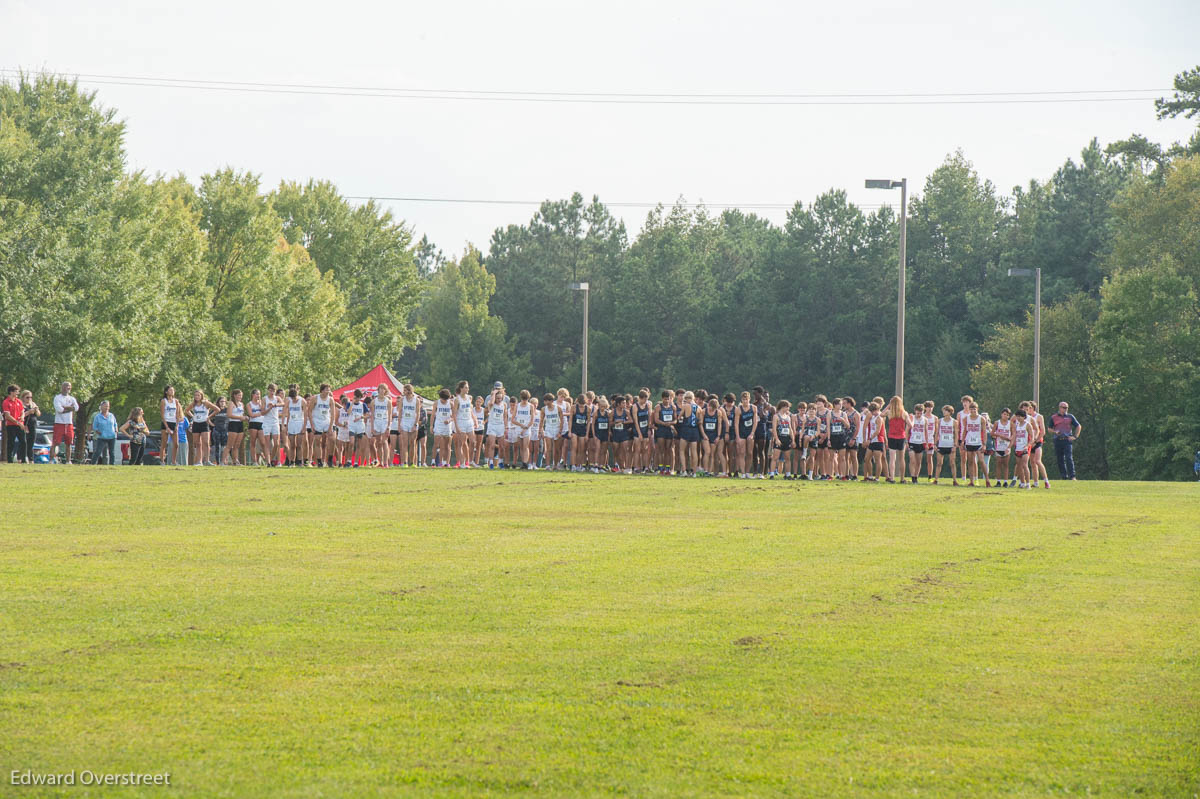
{"points": [[718, 153]]}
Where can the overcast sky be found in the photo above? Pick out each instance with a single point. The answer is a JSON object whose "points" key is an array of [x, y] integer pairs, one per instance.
{"points": [[503, 150]]}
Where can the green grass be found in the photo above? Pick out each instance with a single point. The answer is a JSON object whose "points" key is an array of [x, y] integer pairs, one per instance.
{"points": [[271, 633]]}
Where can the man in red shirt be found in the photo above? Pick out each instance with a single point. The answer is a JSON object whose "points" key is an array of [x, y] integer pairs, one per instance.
{"points": [[14, 424]]}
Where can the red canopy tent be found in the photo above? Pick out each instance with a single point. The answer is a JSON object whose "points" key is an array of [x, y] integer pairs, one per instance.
{"points": [[369, 383]]}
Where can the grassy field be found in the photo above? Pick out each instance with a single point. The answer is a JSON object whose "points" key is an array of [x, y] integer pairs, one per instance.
{"points": [[272, 633]]}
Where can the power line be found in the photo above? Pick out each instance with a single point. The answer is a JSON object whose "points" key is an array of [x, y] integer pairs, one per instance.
{"points": [[488, 201], [624, 98]]}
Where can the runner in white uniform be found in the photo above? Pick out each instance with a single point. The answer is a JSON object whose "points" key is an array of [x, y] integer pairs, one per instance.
{"points": [[946, 430], [1022, 435], [1002, 430], [479, 419], [237, 429], [443, 426], [273, 404], [967, 399], [464, 425], [320, 418], [201, 435], [359, 417], [916, 442], [344, 450], [551, 424], [381, 415], [408, 411], [512, 448], [931, 423], [535, 434], [497, 428], [294, 444], [973, 434]]}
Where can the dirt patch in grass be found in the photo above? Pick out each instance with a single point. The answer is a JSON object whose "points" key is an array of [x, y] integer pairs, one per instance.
{"points": [[403, 591], [632, 684]]}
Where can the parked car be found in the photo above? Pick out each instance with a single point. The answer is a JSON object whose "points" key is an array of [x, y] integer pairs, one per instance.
{"points": [[41, 445], [151, 455]]}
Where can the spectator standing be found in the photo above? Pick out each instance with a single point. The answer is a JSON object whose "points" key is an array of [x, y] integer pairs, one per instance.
{"points": [[32, 412], [13, 411], [104, 435], [1066, 432], [220, 432], [136, 428], [65, 408], [181, 451]]}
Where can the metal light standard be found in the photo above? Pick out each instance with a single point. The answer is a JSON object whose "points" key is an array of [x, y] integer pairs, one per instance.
{"points": [[586, 297], [901, 184], [1037, 328]]}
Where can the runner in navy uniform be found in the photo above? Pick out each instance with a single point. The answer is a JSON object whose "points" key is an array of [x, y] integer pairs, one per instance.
{"points": [[747, 418], [664, 419], [580, 419]]}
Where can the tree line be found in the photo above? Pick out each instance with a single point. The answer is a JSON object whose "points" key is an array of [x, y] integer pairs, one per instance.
{"points": [[125, 282]]}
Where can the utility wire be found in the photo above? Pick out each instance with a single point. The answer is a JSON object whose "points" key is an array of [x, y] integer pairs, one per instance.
{"points": [[625, 98], [482, 201]]}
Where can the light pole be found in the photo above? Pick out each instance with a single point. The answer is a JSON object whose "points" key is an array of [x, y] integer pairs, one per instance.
{"points": [[901, 184], [586, 296], [1037, 328]]}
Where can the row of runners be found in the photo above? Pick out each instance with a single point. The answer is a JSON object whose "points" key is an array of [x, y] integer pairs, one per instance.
{"points": [[689, 433]]}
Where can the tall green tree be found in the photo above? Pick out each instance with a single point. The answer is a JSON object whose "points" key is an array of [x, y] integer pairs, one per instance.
{"points": [[368, 256], [281, 319], [61, 157], [464, 341], [1070, 371], [1149, 325], [534, 265], [953, 272]]}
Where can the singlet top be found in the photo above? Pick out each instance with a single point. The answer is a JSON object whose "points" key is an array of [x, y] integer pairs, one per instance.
{"points": [[463, 416], [443, 413], [620, 420], [945, 432], [169, 411], [477, 416], [321, 408], [931, 422], [237, 412], [666, 413], [273, 406], [524, 414], [746, 420], [916, 434], [497, 413], [200, 413], [643, 416], [895, 427], [296, 409], [837, 424], [381, 408], [408, 409], [711, 421], [785, 424], [1021, 437], [973, 431], [602, 420], [691, 420], [876, 431]]}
